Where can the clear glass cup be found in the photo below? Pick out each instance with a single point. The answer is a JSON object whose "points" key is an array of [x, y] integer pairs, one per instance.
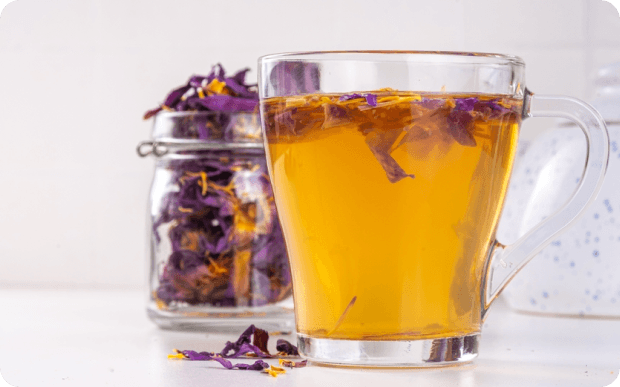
{"points": [[389, 172], [217, 255]]}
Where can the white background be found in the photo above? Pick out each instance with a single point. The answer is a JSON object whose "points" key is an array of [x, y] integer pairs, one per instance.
{"points": [[77, 75]]}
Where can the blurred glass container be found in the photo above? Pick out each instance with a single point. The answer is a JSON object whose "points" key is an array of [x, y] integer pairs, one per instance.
{"points": [[217, 255], [579, 273]]}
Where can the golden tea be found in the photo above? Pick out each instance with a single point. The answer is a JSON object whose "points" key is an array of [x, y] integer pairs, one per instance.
{"points": [[389, 203]]}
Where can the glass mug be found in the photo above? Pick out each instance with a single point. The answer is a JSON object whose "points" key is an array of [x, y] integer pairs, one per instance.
{"points": [[390, 171]]}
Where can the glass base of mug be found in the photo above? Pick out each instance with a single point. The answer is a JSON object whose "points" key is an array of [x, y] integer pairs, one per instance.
{"points": [[272, 318], [439, 352]]}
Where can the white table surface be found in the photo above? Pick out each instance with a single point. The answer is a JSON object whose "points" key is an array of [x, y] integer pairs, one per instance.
{"points": [[103, 338]]}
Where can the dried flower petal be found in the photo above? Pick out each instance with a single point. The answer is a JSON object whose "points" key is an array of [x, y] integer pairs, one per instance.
{"points": [[347, 97], [377, 143], [239, 76], [286, 348], [458, 127], [258, 365], [236, 83], [243, 347], [293, 364], [193, 355], [216, 86], [465, 104], [225, 363], [275, 371], [371, 99], [175, 96], [334, 115], [213, 92], [227, 245], [217, 72], [151, 113], [261, 337]]}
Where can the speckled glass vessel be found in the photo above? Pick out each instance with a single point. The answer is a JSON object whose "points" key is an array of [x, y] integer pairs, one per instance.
{"points": [[579, 272]]}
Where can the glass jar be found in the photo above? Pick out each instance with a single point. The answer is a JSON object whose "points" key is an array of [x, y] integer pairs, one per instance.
{"points": [[217, 255]]}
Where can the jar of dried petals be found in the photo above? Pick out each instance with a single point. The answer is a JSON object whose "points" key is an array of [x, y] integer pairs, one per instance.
{"points": [[217, 254]]}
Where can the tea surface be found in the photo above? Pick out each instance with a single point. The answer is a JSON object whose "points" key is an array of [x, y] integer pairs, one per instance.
{"points": [[389, 203]]}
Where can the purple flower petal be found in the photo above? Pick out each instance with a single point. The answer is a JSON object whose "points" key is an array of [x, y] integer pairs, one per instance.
{"points": [[293, 364], [239, 76], [239, 89], [221, 245], [175, 96], [379, 144], [261, 257], [197, 81], [458, 127], [284, 121], [497, 107], [218, 72], [244, 338], [347, 97], [248, 348], [193, 355], [371, 99], [465, 104], [223, 362], [184, 261], [286, 347], [258, 365], [334, 115], [245, 98], [182, 106], [431, 103]]}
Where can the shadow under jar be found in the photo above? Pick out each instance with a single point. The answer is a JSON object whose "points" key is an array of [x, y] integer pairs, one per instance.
{"points": [[217, 256]]}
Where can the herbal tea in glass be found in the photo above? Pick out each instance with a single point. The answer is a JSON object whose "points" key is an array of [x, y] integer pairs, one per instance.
{"points": [[389, 171], [389, 202]]}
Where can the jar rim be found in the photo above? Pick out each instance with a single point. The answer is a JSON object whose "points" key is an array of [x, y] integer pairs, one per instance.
{"points": [[207, 128]]}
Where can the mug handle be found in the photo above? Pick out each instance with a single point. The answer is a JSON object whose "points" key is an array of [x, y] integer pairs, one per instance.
{"points": [[504, 262]]}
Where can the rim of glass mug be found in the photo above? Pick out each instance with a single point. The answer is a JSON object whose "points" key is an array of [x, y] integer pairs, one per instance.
{"points": [[436, 71], [472, 57]]}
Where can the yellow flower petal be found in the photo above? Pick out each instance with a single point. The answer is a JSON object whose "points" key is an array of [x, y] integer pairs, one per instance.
{"points": [[216, 86], [274, 371]]}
